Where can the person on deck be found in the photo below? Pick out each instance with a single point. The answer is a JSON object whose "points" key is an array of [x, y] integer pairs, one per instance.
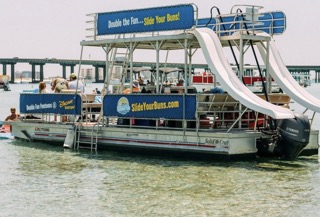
{"points": [[13, 116], [42, 87], [73, 83], [135, 88], [180, 83], [59, 84], [140, 81], [98, 91]]}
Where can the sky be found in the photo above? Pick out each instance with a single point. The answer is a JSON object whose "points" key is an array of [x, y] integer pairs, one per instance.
{"points": [[54, 29]]}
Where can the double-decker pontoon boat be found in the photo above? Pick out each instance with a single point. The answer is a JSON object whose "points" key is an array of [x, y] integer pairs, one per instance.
{"points": [[173, 118]]}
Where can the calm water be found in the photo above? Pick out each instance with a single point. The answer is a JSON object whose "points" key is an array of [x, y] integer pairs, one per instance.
{"points": [[41, 180]]}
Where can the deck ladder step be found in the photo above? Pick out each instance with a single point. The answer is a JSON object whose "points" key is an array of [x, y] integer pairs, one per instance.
{"points": [[92, 132]]}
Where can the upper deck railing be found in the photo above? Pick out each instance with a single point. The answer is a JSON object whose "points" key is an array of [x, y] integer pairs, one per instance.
{"points": [[252, 20]]}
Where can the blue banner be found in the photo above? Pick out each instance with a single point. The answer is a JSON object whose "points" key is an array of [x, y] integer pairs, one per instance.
{"points": [[150, 106], [271, 23], [146, 20], [50, 103]]}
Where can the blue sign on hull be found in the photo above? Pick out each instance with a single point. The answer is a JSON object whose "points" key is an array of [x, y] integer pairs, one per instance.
{"points": [[150, 106], [146, 20], [50, 103]]}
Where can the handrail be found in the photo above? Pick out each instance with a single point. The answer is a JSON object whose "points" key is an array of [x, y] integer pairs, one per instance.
{"points": [[255, 21]]}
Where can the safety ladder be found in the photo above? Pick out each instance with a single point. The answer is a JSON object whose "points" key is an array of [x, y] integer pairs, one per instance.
{"points": [[84, 143], [124, 65], [116, 57], [119, 57], [85, 111]]}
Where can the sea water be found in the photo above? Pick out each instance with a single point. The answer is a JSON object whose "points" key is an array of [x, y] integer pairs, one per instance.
{"points": [[37, 179]]}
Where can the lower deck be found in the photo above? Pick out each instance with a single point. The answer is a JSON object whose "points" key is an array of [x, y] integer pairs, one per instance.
{"points": [[98, 137], [200, 123]]}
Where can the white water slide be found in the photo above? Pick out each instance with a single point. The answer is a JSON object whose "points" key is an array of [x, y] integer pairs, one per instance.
{"points": [[218, 63], [284, 79]]}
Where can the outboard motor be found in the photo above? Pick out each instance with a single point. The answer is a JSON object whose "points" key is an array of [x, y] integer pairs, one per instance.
{"points": [[294, 136]]}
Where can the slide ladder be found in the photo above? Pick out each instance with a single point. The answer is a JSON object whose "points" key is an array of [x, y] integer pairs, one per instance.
{"points": [[218, 63]]}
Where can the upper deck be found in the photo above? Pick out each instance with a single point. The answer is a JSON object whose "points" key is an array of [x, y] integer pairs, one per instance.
{"points": [[178, 27], [110, 28], [174, 41]]}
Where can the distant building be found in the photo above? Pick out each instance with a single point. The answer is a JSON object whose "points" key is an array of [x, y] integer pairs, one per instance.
{"points": [[25, 76], [87, 73], [116, 74]]}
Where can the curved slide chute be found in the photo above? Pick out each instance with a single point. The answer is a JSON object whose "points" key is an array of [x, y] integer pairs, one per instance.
{"points": [[218, 63], [284, 79]]}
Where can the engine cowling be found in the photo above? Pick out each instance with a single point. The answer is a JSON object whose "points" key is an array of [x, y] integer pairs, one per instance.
{"points": [[294, 136]]}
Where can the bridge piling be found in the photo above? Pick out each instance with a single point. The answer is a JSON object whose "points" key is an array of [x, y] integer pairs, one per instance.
{"points": [[4, 67], [96, 72], [33, 72]]}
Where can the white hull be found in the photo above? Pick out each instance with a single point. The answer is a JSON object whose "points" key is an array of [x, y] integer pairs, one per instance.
{"points": [[228, 145], [206, 142]]}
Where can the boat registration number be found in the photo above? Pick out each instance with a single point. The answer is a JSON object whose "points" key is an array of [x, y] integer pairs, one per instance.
{"points": [[40, 129]]}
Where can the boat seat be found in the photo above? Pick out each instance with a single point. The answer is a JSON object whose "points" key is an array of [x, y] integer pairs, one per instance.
{"points": [[214, 102], [280, 99], [89, 97], [180, 89], [151, 88], [70, 91]]}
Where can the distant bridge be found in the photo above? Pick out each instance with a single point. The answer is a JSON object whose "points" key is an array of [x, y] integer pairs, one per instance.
{"points": [[64, 63]]}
